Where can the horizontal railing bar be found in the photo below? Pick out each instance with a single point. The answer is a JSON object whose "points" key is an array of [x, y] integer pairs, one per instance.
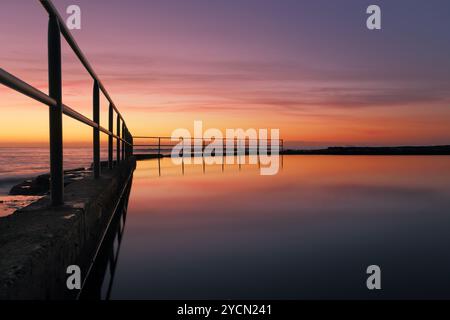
{"points": [[18, 85], [78, 116], [153, 145], [51, 10], [126, 142], [166, 145], [186, 138]]}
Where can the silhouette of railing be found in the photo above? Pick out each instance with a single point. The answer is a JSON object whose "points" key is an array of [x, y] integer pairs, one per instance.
{"points": [[54, 101], [164, 145]]}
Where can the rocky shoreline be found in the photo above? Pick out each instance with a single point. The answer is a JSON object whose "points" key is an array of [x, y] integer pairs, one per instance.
{"points": [[31, 190], [40, 185], [373, 151]]}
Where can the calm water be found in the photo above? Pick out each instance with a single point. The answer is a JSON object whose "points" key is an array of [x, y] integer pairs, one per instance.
{"points": [[308, 232]]}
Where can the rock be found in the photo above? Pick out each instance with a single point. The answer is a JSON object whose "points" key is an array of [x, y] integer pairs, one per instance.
{"points": [[35, 187], [40, 185]]}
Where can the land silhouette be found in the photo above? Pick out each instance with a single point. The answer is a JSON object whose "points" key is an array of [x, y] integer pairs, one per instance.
{"points": [[394, 151]]}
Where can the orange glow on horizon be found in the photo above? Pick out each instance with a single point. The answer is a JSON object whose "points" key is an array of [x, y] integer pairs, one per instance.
{"points": [[25, 122]]}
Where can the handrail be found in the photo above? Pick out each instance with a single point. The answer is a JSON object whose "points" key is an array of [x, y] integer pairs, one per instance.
{"points": [[206, 139], [18, 85], [57, 108], [51, 10], [160, 146]]}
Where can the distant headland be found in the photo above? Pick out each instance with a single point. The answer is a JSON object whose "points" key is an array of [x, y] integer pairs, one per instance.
{"points": [[394, 151]]}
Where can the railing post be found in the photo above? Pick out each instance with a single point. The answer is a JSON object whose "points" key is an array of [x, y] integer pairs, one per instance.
{"points": [[96, 131], [55, 116], [182, 149], [159, 146], [123, 143], [132, 145], [128, 146], [203, 147], [118, 140], [110, 138], [257, 146]]}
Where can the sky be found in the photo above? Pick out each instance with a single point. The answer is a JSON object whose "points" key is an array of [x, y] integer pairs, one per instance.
{"points": [[310, 68]]}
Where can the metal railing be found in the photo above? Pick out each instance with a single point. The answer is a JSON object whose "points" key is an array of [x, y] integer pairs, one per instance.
{"points": [[164, 145], [57, 108]]}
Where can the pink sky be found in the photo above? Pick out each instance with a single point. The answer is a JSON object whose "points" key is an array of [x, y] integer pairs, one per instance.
{"points": [[311, 70]]}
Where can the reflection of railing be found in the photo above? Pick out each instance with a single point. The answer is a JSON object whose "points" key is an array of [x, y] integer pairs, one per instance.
{"points": [[164, 145], [223, 164], [56, 27], [107, 254]]}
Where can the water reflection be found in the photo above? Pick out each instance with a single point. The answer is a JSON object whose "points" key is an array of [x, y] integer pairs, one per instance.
{"points": [[164, 166], [100, 277], [308, 232], [99, 282]]}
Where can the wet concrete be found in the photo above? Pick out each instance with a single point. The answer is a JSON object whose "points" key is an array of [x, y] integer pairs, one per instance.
{"points": [[10, 204], [38, 243]]}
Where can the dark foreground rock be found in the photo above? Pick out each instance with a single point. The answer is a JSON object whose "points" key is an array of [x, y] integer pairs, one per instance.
{"points": [[40, 185]]}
